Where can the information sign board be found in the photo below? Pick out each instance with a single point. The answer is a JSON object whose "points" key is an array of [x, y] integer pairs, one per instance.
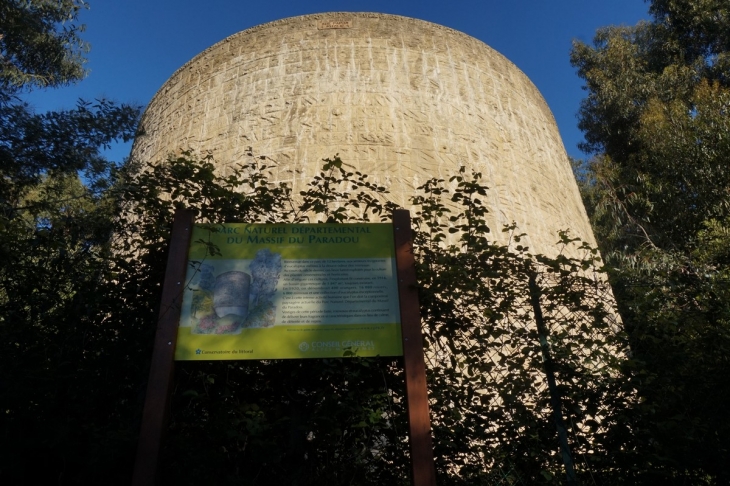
{"points": [[290, 291]]}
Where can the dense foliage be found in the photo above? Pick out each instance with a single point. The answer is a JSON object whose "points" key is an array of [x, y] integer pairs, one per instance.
{"points": [[55, 222], [304, 422], [39, 44], [656, 121]]}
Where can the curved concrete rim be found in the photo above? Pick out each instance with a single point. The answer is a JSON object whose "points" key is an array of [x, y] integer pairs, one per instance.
{"points": [[315, 16]]}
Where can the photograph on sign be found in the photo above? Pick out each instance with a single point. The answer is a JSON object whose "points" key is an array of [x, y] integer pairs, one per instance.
{"points": [[290, 291]]}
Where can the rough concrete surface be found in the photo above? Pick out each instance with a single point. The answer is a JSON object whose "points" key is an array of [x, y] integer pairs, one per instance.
{"points": [[400, 99]]}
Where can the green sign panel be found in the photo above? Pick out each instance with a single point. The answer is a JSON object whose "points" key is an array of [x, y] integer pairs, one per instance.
{"points": [[290, 291]]}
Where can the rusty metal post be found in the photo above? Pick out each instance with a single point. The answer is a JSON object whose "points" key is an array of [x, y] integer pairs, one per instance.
{"points": [[159, 385], [423, 471]]}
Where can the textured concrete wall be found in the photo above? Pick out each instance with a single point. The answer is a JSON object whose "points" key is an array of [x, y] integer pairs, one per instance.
{"points": [[400, 99]]}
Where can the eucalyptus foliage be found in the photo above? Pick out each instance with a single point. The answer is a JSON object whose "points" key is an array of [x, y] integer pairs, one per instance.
{"points": [[657, 187], [40, 45]]}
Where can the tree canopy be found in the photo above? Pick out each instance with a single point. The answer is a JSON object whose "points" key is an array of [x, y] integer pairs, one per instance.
{"points": [[655, 119], [55, 221], [40, 45], [658, 191]]}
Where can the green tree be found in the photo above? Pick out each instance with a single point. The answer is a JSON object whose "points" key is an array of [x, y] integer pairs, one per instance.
{"points": [[40, 45], [43, 157], [655, 119], [658, 189], [55, 222]]}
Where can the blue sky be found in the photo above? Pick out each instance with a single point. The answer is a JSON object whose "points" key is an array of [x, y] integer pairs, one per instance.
{"points": [[138, 44]]}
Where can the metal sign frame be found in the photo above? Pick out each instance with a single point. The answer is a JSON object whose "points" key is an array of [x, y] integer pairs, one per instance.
{"points": [[159, 386]]}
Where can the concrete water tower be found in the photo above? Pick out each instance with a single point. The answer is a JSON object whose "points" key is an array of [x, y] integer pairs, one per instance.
{"points": [[400, 99]]}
